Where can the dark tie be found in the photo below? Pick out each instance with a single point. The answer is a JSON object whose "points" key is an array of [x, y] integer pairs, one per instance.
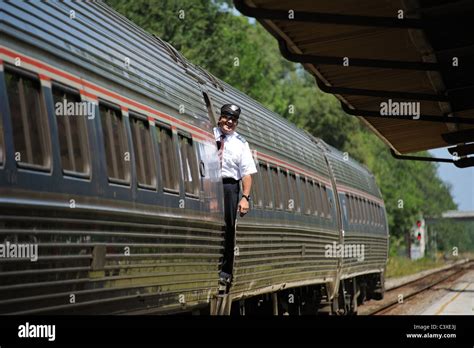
{"points": [[220, 152]]}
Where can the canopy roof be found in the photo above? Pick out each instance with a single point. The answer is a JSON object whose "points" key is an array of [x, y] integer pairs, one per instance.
{"points": [[386, 55]]}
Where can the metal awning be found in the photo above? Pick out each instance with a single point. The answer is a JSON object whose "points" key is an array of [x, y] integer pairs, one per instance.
{"points": [[386, 55]]}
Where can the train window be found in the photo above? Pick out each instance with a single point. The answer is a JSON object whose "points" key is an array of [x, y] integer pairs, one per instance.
{"points": [[376, 217], [276, 188], [349, 208], [116, 146], [306, 198], [295, 195], [327, 210], [371, 213], [267, 187], [189, 166], [169, 160], [312, 197], [355, 214], [319, 199], [256, 190], [358, 209], [379, 218], [29, 120], [143, 149], [364, 210], [367, 211], [374, 213], [285, 190], [72, 133], [323, 200], [352, 208], [377, 222]]}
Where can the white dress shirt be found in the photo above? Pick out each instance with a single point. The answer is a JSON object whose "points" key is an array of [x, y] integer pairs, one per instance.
{"points": [[237, 159]]}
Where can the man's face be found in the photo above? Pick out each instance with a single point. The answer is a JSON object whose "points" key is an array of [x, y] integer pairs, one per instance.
{"points": [[227, 124]]}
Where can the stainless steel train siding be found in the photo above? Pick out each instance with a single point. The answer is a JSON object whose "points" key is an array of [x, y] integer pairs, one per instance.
{"points": [[175, 253], [83, 266], [349, 177]]}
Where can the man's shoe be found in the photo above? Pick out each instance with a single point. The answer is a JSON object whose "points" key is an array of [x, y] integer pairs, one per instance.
{"points": [[225, 277]]}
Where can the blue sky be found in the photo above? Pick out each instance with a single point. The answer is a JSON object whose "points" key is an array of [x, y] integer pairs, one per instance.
{"points": [[461, 180]]}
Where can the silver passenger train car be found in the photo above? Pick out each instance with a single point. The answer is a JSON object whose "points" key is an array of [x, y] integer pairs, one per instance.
{"points": [[109, 171]]}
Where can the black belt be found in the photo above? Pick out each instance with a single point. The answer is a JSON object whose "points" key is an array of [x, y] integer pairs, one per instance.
{"points": [[229, 181]]}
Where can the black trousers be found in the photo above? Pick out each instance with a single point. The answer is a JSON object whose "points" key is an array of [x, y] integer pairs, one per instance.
{"points": [[231, 202]]}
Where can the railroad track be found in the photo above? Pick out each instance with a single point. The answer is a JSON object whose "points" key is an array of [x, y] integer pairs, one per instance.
{"points": [[401, 293]]}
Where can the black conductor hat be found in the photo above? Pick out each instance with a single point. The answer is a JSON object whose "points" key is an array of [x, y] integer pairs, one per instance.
{"points": [[230, 110]]}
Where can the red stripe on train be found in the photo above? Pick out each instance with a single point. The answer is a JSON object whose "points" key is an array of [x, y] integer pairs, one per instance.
{"points": [[103, 91]]}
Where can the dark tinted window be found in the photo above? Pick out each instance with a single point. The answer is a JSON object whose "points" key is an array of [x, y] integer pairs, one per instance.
{"points": [[116, 146], [373, 216], [308, 204], [285, 189], [327, 210], [257, 194], [312, 196], [360, 215], [144, 155], [267, 187], [276, 188], [295, 193], [29, 120], [349, 208], [189, 166], [169, 159], [318, 199], [367, 212], [72, 132], [364, 207], [381, 216]]}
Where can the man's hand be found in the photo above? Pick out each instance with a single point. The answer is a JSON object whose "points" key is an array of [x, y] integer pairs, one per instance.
{"points": [[243, 207]]}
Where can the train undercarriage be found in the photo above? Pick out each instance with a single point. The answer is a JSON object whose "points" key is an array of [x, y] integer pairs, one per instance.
{"points": [[306, 300]]}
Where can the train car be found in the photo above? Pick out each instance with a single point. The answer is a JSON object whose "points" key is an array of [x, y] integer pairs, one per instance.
{"points": [[109, 172]]}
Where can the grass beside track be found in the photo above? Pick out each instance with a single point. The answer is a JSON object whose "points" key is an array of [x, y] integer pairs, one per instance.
{"points": [[399, 266]]}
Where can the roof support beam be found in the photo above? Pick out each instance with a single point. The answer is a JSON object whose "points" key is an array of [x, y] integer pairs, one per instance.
{"points": [[421, 158], [460, 163], [330, 18], [378, 93], [464, 136], [427, 118], [462, 150], [369, 92], [358, 62]]}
